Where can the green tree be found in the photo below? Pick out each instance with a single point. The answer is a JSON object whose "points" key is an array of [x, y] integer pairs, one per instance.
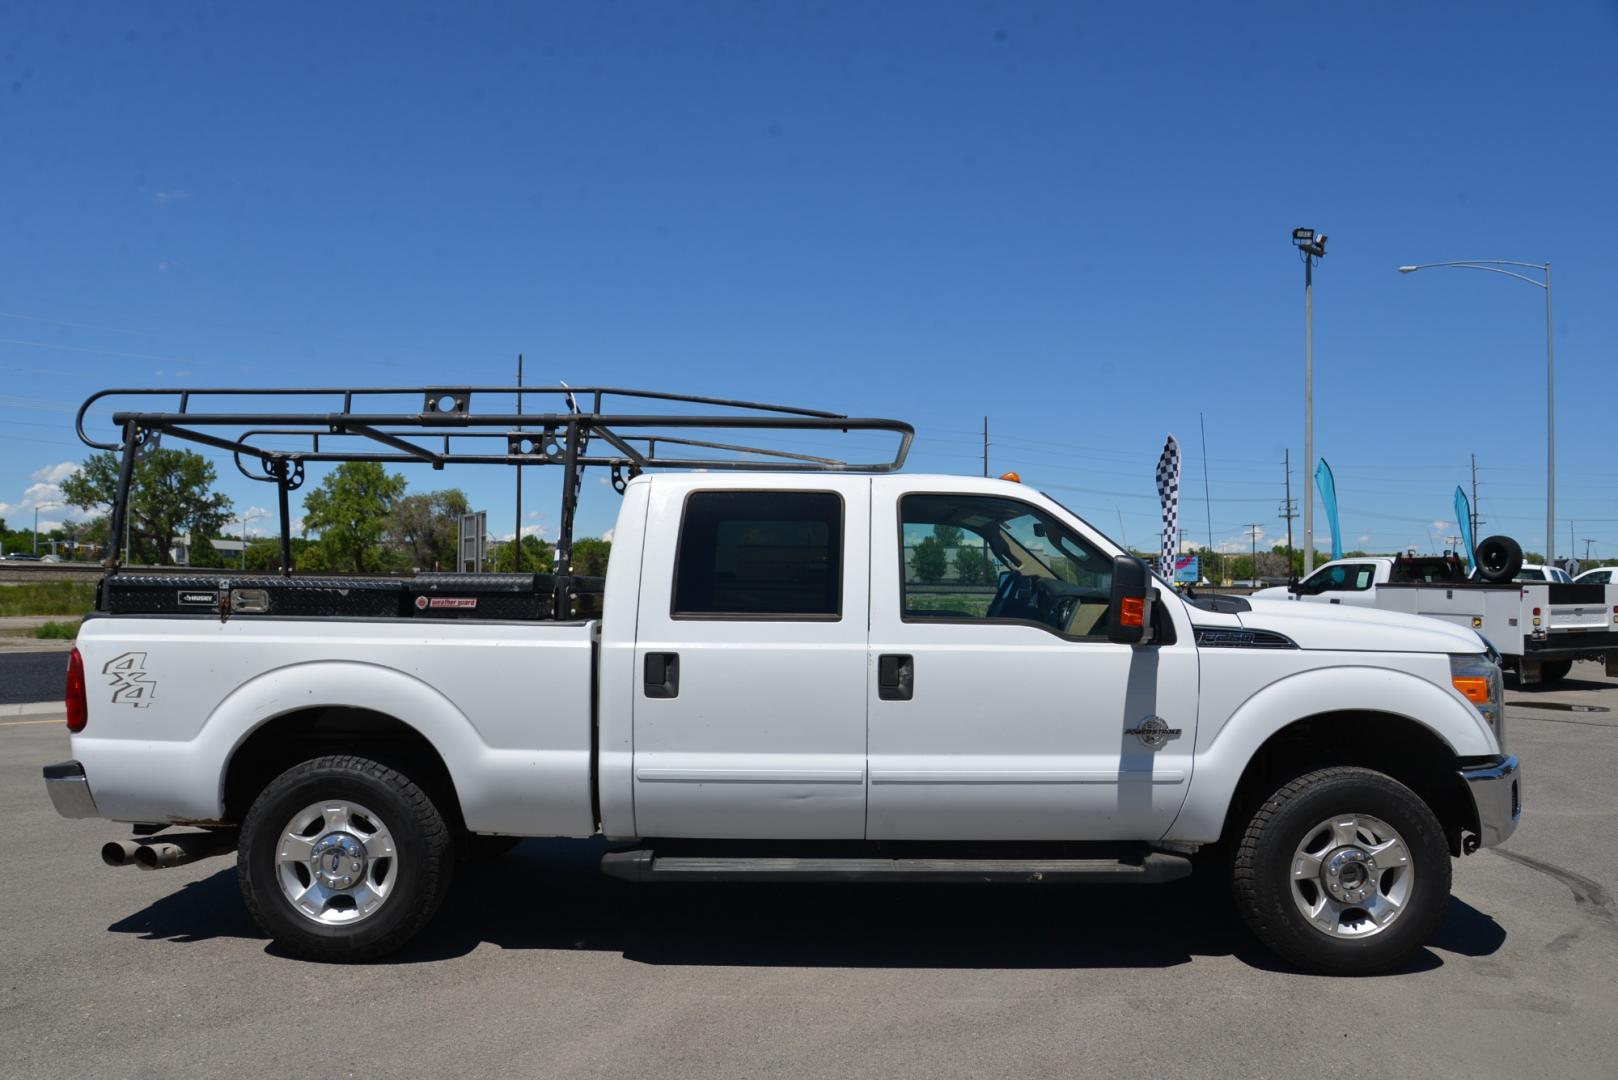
{"points": [[929, 560], [949, 535], [590, 557], [170, 494], [972, 566], [422, 530], [537, 556], [350, 511]]}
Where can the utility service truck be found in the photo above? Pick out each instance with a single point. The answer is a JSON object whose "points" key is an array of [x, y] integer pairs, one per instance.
{"points": [[797, 668], [1540, 627]]}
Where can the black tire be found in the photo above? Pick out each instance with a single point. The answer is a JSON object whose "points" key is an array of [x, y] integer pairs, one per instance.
{"points": [[1499, 558], [421, 838], [1555, 670], [1261, 870], [486, 849]]}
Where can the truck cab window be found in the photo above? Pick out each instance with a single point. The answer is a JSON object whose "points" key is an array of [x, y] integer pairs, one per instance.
{"points": [[1355, 577], [767, 554], [991, 559]]}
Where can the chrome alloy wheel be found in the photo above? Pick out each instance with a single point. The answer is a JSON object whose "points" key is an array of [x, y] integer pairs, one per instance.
{"points": [[335, 862], [1352, 876]]}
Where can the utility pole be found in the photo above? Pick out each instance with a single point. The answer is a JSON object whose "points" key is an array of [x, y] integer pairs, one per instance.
{"points": [[1587, 543], [1451, 543], [1289, 509], [1476, 521], [1253, 529], [985, 446], [516, 554]]}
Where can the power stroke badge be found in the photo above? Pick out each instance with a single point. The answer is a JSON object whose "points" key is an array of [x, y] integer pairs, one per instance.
{"points": [[1154, 731], [131, 685]]}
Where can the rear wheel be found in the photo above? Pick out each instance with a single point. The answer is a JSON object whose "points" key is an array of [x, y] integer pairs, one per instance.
{"points": [[343, 858], [1343, 871], [1553, 670]]}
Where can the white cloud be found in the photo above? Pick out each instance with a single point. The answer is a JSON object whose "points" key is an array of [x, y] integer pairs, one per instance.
{"points": [[1440, 524], [1365, 538], [261, 521], [55, 474], [1243, 544], [41, 496], [165, 265], [536, 531], [607, 536], [170, 197]]}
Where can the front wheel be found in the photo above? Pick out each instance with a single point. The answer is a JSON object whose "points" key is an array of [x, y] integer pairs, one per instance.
{"points": [[1344, 871], [343, 858]]}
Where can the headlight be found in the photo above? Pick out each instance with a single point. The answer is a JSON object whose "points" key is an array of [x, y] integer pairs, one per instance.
{"points": [[1479, 679]]}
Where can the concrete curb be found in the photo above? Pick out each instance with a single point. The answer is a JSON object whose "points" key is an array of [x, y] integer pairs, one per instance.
{"points": [[34, 708]]}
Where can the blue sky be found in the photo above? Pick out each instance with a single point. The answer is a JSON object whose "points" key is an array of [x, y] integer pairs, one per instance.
{"points": [[1071, 218]]}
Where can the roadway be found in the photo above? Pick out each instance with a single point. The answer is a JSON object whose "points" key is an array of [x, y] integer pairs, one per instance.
{"points": [[539, 966]]}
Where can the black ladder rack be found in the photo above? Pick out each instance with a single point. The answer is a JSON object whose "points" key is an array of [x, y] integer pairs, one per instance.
{"points": [[612, 431]]}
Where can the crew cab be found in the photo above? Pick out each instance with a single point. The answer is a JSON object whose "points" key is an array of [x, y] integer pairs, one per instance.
{"points": [[833, 674], [1540, 621]]}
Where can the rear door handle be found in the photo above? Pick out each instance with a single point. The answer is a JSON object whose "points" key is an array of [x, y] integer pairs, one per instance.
{"points": [[895, 677], [662, 675]]}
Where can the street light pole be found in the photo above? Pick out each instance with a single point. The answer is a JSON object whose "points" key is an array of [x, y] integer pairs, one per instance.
{"points": [[245, 518], [1308, 410], [1311, 247], [1495, 266], [1550, 431]]}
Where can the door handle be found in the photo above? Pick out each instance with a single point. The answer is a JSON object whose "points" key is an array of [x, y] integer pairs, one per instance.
{"points": [[662, 675], [895, 677]]}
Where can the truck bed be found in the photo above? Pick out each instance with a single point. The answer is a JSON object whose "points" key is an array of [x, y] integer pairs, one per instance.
{"points": [[508, 705]]}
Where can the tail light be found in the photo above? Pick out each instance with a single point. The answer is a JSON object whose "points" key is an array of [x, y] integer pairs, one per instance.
{"points": [[78, 706]]}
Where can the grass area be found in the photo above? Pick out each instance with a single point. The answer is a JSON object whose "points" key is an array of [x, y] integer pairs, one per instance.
{"points": [[58, 631], [974, 603], [48, 598]]}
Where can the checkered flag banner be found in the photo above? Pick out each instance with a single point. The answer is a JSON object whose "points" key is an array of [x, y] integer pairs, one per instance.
{"points": [[1168, 491]]}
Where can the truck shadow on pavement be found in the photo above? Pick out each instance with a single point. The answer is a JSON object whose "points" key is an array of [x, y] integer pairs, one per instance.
{"points": [[550, 894]]}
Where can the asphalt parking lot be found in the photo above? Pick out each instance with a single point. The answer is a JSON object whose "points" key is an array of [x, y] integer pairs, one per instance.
{"points": [[539, 966]]}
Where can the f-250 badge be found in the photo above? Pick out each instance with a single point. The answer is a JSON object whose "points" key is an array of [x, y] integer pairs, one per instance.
{"points": [[131, 685], [1153, 731]]}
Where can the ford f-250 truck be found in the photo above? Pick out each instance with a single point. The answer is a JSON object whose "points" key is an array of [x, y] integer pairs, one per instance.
{"points": [[777, 688]]}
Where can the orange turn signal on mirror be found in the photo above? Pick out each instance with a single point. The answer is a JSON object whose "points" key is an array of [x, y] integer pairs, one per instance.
{"points": [[1475, 688], [1132, 611]]}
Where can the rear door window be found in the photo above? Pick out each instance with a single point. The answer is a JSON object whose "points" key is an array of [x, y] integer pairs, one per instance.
{"points": [[760, 554]]}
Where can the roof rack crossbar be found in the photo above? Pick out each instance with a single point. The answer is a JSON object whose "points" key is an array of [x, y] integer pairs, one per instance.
{"points": [[632, 440]]}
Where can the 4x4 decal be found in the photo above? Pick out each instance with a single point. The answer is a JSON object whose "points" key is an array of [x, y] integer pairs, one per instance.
{"points": [[131, 685]]}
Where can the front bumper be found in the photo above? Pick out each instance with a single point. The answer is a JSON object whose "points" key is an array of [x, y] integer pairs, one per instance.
{"points": [[1496, 788], [69, 789]]}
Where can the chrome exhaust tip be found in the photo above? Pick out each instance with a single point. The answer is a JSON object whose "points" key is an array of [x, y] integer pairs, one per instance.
{"points": [[119, 853], [182, 849]]}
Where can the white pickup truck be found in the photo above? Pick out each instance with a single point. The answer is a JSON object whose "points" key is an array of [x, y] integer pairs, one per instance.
{"points": [[1539, 626], [782, 686]]}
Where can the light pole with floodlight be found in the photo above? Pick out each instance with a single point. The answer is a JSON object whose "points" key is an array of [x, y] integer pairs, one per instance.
{"points": [[1311, 246], [37, 508], [244, 519], [1494, 266]]}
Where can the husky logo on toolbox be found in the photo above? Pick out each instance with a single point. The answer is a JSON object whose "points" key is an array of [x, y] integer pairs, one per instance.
{"points": [[131, 685]]}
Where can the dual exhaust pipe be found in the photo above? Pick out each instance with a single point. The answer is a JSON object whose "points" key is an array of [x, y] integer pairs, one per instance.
{"points": [[176, 850]]}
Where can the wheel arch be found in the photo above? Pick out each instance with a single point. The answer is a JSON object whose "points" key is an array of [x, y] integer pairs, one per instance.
{"points": [[1396, 746], [305, 710], [1376, 717]]}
